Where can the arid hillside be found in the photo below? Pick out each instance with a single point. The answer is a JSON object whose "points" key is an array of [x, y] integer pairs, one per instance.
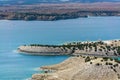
{"points": [[81, 68], [26, 2]]}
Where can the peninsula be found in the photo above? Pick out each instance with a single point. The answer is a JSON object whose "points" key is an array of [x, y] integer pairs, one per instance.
{"points": [[98, 48], [58, 11]]}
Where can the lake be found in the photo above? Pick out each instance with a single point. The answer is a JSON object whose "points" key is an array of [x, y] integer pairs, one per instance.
{"points": [[14, 66]]}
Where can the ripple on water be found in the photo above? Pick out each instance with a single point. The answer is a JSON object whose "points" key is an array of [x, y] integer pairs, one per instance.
{"points": [[27, 79], [37, 69], [15, 51]]}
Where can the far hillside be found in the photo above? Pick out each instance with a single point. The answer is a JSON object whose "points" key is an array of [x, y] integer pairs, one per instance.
{"points": [[21, 2]]}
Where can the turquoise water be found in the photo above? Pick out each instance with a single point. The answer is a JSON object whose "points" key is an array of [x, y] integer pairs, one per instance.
{"points": [[14, 66]]}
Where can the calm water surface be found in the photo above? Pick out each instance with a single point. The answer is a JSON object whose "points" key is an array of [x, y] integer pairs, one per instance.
{"points": [[14, 66]]}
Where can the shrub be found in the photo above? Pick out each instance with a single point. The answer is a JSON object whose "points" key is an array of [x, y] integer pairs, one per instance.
{"points": [[87, 59], [106, 63], [97, 64], [90, 62], [105, 58], [110, 64], [114, 70], [95, 57], [111, 59], [100, 49], [83, 56], [115, 65], [111, 67], [101, 60]]}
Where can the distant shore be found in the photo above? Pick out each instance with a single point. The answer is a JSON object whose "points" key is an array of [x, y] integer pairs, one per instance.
{"points": [[53, 12]]}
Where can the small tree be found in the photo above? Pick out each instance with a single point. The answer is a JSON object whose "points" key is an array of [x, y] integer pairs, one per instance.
{"points": [[87, 59]]}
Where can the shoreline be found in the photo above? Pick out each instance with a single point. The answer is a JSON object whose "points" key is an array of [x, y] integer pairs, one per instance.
{"points": [[55, 19], [58, 19]]}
